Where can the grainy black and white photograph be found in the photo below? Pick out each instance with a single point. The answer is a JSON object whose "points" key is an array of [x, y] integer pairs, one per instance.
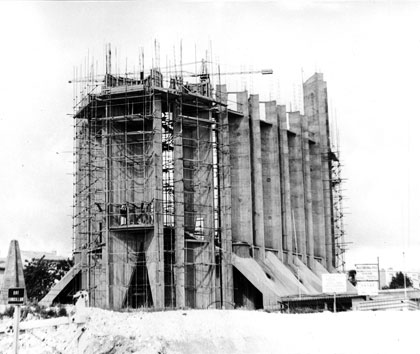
{"points": [[187, 177]]}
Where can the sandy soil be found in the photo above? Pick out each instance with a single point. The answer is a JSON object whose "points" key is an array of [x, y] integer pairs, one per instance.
{"points": [[223, 331]]}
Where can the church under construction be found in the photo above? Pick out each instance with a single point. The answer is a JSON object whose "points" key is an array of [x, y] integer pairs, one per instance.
{"points": [[187, 195]]}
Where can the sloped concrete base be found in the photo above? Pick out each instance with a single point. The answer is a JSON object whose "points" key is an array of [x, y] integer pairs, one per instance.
{"points": [[308, 278], [249, 268], [284, 275], [275, 280], [59, 287]]}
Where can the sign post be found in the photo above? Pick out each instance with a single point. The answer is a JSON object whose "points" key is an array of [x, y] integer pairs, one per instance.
{"points": [[15, 297], [334, 283], [16, 320], [367, 276]]}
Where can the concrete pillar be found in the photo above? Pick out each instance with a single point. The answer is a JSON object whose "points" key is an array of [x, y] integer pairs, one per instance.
{"points": [[154, 252], [297, 185], [179, 210], [316, 109], [307, 193], [271, 179], [189, 146], [204, 204], [286, 207], [317, 203], [240, 168], [225, 201], [108, 200], [256, 173]]}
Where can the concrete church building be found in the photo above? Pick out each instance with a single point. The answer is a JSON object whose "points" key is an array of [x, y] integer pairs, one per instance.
{"points": [[181, 201]]}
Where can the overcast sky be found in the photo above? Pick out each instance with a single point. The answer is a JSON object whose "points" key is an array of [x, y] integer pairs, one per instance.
{"points": [[369, 53]]}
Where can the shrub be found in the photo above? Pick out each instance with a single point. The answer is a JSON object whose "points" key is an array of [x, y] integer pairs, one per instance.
{"points": [[62, 311], [9, 312]]}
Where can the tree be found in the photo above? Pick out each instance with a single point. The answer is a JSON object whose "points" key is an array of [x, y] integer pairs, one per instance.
{"points": [[352, 277], [397, 281], [41, 274]]}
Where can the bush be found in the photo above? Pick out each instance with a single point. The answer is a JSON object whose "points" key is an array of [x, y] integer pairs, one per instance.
{"points": [[397, 281], [62, 312], [41, 274], [38, 311], [9, 312]]}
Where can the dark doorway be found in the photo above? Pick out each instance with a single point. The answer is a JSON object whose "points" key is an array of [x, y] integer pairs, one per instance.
{"points": [[245, 294], [139, 293]]}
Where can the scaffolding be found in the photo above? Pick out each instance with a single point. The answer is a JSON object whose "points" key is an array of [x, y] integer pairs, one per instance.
{"points": [[150, 171], [338, 212]]}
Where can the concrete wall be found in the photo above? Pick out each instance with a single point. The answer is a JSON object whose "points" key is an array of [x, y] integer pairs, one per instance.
{"points": [[307, 187], [240, 170], [301, 187], [126, 250], [271, 180], [179, 275], [297, 186], [256, 174], [224, 180], [155, 250], [286, 204], [290, 185]]}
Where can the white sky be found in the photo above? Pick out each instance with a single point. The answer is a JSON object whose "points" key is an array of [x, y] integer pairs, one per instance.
{"points": [[369, 53]]}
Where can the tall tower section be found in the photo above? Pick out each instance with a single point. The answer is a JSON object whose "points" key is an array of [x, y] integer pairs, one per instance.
{"points": [[321, 157], [150, 184]]}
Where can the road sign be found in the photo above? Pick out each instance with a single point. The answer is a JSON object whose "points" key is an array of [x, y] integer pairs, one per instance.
{"points": [[16, 296], [367, 288], [334, 283], [367, 272]]}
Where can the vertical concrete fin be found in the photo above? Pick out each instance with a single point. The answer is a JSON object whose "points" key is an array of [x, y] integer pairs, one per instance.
{"points": [[155, 250], [297, 185], [179, 209], [286, 207], [271, 180], [240, 169], [257, 188], [204, 206], [307, 193], [227, 297]]}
